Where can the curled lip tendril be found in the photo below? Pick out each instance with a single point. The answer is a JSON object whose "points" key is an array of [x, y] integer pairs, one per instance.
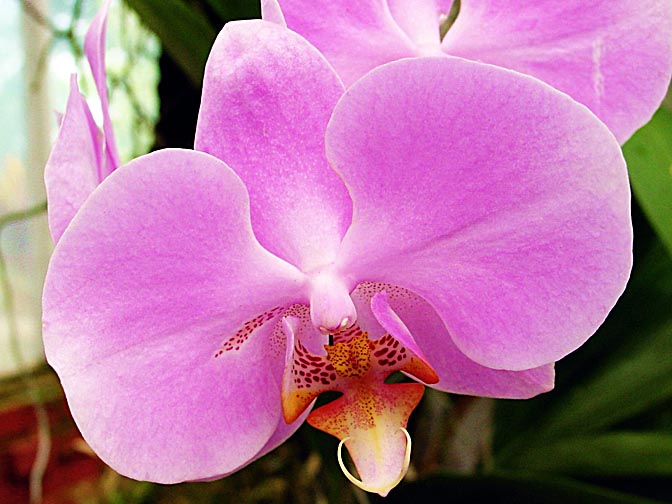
{"points": [[370, 488]]}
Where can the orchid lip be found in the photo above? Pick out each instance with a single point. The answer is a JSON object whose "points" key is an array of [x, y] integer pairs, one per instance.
{"points": [[369, 413]]}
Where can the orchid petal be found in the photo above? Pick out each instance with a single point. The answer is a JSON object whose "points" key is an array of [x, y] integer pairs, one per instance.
{"points": [[499, 200], [94, 47], [411, 315], [267, 99], [73, 169], [136, 304], [282, 432], [614, 56], [271, 11], [354, 38]]}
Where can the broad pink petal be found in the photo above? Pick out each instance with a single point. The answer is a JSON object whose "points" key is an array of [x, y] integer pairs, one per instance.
{"points": [[354, 37], [267, 99], [94, 47], [500, 201], [615, 56], [157, 270], [413, 319], [282, 433], [73, 169], [283, 430]]}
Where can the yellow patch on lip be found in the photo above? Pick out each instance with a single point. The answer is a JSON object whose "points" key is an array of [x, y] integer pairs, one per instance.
{"points": [[351, 359]]}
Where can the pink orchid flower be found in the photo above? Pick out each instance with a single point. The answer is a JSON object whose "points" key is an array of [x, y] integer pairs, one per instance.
{"points": [[83, 155], [459, 222], [614, 56]]}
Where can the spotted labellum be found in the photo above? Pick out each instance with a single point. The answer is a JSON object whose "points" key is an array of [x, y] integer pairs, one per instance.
{"points": [[454, 221]]}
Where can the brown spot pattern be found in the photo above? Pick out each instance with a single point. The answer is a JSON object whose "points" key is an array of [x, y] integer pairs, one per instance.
{"points": [[236, 341]]}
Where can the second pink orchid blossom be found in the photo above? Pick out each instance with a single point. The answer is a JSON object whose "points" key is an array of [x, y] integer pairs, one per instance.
{"points": [[614, 56]]}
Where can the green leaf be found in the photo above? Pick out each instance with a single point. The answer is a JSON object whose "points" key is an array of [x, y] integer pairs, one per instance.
{"points": [[608, 455], [228, 10], [649, 157], [507, 488], [184, 32], [625, 389], [623, 372]]}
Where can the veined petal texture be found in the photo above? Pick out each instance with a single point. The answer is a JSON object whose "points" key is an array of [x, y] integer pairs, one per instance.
{"points": [[94, 47], [499, 200], [73, 169], [155, 272], [267, 98]]}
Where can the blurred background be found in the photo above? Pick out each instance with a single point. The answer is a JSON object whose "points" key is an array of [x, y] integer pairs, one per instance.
{"points": [[603, 435]]}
